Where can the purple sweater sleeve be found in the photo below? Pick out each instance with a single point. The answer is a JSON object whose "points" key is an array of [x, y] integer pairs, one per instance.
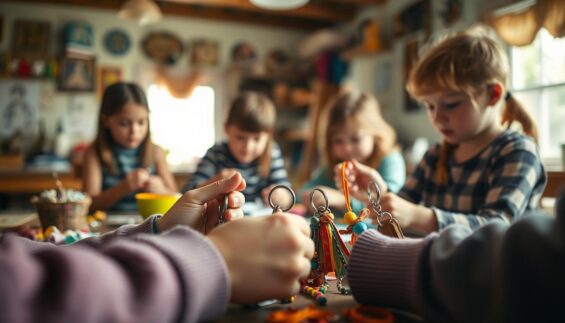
{"points": [[125, 276], [499, 273]]}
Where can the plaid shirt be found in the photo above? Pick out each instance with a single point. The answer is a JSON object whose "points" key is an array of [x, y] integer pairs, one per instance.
{"points": [[501, 182]]}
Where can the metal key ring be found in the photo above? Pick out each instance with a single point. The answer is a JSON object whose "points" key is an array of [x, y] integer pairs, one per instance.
{"points": [[321, 208], [382, 217], [222, 208], [374, 202], [275, 207]]}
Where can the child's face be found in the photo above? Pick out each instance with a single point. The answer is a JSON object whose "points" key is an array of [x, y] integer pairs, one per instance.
{"points": [[128, 127], [246, 146], [455, 116], [352, 141]]}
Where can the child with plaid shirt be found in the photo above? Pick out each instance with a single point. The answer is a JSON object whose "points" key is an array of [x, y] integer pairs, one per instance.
{"points": [[483, 170]]}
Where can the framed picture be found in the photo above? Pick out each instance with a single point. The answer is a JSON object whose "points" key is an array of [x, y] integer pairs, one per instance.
{"points": [[77, 74], [31, 39], [108, 75], [204, 52]]}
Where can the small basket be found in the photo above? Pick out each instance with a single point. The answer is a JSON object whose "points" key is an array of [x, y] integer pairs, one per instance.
{"points": [[63, 215]]}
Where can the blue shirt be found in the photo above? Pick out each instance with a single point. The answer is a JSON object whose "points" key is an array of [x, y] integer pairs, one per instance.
{"points": [[127, 160], [219, 157]]}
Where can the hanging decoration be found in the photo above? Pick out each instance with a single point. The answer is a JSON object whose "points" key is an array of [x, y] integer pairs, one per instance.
{"points": [[386, 223], [356, 224]]}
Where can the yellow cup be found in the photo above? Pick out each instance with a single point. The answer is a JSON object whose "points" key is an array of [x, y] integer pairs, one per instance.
{"points": [[152, 203]]}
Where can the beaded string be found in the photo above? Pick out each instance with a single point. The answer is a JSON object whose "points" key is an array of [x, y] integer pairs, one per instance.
{"points": [[345, 185]]}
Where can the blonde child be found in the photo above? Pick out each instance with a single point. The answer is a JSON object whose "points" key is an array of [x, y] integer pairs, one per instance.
{"points": [[122, 160], [482, 171], [355, 129], [249, 149]]}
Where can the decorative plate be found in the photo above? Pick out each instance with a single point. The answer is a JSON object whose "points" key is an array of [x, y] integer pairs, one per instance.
{"points": [[117, 42], [162, 47]]}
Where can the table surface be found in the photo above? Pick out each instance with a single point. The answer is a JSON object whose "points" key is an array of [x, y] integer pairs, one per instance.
{"points": [[337, 303]]}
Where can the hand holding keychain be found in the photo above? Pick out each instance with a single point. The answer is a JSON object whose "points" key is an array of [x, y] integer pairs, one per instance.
{"points": [[277, 208], [386, 223]]}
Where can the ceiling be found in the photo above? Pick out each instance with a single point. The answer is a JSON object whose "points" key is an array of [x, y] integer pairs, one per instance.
{"points": [[316, 14]]}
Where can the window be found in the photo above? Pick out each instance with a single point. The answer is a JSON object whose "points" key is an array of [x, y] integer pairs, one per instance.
{"points": [[184, 128], [538, 81]]}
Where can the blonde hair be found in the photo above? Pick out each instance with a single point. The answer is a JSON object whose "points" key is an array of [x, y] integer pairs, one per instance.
{"points": [[115, 97], [255, 112], [466, 62], [364, 108]]}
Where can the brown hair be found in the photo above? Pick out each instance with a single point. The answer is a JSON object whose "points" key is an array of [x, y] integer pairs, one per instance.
{"points": [[466, 62], [116, 96], [364, 108], [255, 112]]}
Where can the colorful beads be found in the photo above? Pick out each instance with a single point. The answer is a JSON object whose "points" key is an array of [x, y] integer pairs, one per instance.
{"points": [[315, 293], [349, 217], [359, 228]]}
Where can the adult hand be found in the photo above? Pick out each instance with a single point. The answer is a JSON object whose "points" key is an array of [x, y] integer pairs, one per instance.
{"points": [[266, 256], [198, 208], [359, 177]]}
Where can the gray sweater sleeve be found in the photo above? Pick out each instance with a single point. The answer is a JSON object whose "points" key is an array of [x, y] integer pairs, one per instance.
{"points": [[499, 273], [127, 276]]}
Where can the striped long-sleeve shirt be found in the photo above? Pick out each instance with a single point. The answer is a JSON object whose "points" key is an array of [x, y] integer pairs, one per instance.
{"points": [[501, 182], [219, 157]]}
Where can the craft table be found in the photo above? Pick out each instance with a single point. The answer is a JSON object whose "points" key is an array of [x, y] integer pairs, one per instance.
{"points": [[337, 303]]}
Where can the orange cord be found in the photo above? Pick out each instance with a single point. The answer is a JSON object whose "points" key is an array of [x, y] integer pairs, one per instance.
{"points": [[369, 314], [345, 185], [308, 314]]}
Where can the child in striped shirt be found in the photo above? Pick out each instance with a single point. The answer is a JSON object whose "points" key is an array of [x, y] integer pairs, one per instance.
{"points": [[249, 150], [483, 170]]}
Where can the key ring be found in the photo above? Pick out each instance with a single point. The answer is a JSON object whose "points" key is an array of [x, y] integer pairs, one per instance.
{"points": [[374, 201], [322, 208], [222, 207], [277, 208]]}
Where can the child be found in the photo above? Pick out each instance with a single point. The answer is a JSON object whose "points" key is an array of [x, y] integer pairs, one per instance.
{"points": [[179, 275], [355, 129], [122, 160], [249, 149], [482, 171]]}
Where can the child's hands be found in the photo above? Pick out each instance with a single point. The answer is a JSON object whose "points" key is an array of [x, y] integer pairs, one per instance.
{"points": [[265, 255], [408, 214], [155, 184], [198, 208], [359, 177], [136, 179]]}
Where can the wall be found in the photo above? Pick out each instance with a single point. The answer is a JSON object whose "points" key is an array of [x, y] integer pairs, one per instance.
{"points": [[413, 124], [55, 104]]}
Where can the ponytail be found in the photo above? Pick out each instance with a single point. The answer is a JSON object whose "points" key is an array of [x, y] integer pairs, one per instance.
{"points": [[441, 166], [515, 111]]}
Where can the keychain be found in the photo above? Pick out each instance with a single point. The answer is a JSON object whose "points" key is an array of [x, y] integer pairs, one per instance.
{"points": [[356, 224], [331, 253], [386, 223], [277, 208], [222, 210]]}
